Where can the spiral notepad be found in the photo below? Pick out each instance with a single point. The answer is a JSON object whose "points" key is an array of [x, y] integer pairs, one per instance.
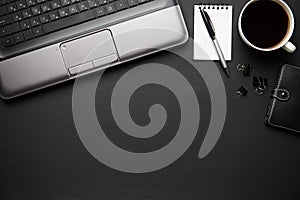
{"points": [[221, 16]]}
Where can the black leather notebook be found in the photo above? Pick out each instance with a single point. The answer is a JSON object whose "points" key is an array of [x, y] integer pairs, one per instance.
{"points": [[284, 108]]}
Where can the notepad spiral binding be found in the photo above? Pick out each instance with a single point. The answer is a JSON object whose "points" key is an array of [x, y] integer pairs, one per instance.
{"points": [[214, 6]]}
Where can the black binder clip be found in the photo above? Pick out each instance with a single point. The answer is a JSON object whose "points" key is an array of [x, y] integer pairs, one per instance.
{"points": [[245, 68], [242, 91], [260, 84]]}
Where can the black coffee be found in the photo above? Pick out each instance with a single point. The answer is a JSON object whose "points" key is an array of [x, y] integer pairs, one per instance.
{"points": [[265, 23]]}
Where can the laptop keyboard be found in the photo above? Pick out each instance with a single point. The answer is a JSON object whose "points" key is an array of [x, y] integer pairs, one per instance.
{"points": [[24, 20]]}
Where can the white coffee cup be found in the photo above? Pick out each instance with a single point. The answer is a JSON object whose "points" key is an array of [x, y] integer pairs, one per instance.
{"points": [[284, 43]]}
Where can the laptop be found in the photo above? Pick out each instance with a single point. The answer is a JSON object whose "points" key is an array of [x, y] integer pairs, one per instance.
{"points": [[45, 42]]}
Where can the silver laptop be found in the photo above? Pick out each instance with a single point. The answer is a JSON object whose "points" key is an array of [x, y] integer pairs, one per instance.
{"points": [[45, 42]]}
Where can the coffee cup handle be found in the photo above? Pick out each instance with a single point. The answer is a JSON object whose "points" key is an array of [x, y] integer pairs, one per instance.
{"points": [[289, 47]]}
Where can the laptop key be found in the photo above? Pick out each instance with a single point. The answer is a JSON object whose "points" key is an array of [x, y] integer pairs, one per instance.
{"points": [[5, 20], [38, 31], [30, 3], [34, 22], [69, 21], [73, 9], [3, 10], [54, 15], [8, 41], [25, 24], [26, 13], [28, 34], [36, 10], [17, 16], [18, 37], [92, 3], [110, 8], [46, 7], [132, 3], [56, 4], [10, 29], [120, 5], [44, 18], [64, 12], [102, 2], [65, 2], [100, 11], [12, 7], [83, 6], [21, 4]]}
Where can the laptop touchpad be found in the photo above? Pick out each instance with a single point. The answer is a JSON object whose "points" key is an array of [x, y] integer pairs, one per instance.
{"points": [[97, 49]]}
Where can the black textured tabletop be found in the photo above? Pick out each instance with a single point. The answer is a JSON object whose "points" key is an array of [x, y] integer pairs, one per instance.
{"points": [[42, 156]]}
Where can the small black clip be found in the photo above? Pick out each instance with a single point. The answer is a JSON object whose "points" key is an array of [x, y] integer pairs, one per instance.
{"points": [[255, 82], [260, 84], [242, 91], [248, 70], [245, 68]]}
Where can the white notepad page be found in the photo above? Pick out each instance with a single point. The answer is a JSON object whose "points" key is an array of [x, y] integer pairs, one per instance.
{"points": [[221, 18]]}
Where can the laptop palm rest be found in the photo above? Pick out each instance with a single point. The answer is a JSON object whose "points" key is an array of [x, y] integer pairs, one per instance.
{"points": [[89, 52]]}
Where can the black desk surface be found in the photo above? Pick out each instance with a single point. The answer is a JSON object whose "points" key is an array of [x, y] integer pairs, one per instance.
{"points": [[42, 156]]}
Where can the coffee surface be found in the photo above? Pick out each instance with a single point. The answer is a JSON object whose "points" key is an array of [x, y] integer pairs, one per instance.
{"points": [[265, 23]]}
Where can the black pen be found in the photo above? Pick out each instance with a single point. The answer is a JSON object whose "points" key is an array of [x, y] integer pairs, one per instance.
{"points": [[211, 31]]}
